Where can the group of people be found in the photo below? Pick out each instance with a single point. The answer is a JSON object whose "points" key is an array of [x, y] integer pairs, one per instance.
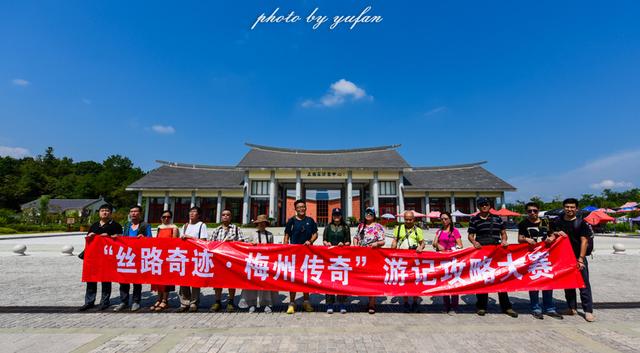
{"points": [[484, 229]]}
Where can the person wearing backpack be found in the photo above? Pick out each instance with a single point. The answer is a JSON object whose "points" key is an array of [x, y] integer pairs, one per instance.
{"points": [[227, 231], [134, 228], [408, 236], [581, 238], [336, 233], [195, 229]]}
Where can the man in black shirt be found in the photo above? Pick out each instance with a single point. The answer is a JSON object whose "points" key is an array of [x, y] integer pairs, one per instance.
{"points": [[104, 227], [488, 229], [530, 231], [579, 233]]}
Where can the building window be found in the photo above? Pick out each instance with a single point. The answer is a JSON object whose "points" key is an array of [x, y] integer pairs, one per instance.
{"points": [[260, 187], [387, 205], [258, 207], [208, 206], [234, 205], [387, 188]]}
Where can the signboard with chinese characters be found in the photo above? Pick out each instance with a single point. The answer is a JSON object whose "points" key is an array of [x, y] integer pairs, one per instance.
{"points": [[323, 174], [348, 270]]}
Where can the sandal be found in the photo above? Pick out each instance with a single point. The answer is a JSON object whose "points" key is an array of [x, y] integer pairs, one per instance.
{"points": [[162, 306], [154, 306], [372, 310]]}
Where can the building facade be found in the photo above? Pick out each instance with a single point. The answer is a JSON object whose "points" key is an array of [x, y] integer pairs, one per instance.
{"points": [[269, 179]]}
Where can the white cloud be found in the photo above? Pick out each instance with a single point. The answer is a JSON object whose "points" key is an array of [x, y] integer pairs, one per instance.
{"points": [[620, 170], [339, 92], [435, 111], [610, 184], [163, 129], [20, 82], [15, 152]]}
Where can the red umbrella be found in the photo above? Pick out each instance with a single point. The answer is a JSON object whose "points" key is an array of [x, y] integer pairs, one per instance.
{"points": [[415, 214], [597, 217], [503, 212]]}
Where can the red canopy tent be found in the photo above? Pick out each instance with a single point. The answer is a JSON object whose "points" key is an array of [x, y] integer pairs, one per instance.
{"points": [[503, 212], [598, 217]]}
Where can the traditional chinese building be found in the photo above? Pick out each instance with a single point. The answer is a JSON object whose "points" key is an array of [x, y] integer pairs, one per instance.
{"points": [[268, 180]]}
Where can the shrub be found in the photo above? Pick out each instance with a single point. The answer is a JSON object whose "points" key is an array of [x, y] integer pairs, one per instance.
{"points": [[5, 230]]}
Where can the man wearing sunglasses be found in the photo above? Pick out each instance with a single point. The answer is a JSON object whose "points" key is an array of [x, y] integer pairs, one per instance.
{"points": [[530, 231], [488, 229]]}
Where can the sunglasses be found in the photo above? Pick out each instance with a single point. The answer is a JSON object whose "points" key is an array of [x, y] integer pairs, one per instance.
{"points": [[483, 205], [166, 217], [532, 211]]}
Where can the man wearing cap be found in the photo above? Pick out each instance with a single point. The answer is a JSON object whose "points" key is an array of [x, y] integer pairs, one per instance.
{"points": [[336, 233], [488, 229], [408, 236], [300, 229]]}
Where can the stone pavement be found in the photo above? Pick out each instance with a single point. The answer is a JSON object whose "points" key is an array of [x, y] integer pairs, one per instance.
{"points": [[41, 292]]}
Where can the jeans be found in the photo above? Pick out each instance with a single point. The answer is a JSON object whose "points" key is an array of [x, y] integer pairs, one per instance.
{"points": [[585, 293], [482, 301], [124, 293], [547, 301], [92, 290]]}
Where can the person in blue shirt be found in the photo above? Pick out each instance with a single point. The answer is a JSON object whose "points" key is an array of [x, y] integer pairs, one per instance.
{"points": [[134, 228]]}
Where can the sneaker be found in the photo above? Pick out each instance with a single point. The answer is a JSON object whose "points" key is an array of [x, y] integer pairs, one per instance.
{"points": [[537, 315], [330, 311], [372, 310], [569, 312], [589, 317], [291, 309], [252, 309], [104, 306], [135, 307], [554, 315], [242, 304], [120, 307], [86, 307], [452, 313], [231, 308], [406, 308], [267, 309], [343, 309], [183, 309], [306, 306], [215, 307], [193, 308], [481, 312], [511, 313], [415, 307]]}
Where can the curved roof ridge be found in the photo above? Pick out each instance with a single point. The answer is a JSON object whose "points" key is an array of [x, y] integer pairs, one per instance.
{"points": [[453, 166], [303, 151], [196, 166]]}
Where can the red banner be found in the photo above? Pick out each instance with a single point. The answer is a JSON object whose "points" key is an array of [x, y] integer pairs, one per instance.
{"points": [[339, 270]]}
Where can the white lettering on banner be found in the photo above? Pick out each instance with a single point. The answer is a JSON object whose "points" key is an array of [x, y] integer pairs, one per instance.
{"points": [[422, 273], [257, 266], [395, 271], [541, 266], [453, 270], [482, 270], [285, 267], [125, 261], [512, 267], [315, 265], [340, 269], [202, 263], [151, 261], [177, 260]]}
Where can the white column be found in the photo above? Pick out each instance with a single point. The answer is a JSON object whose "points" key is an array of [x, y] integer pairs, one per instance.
{"points": [[139, 198], [219, 208], [193, 198], [146, 209], [400, 191], [245, 200], [298, 185], [349, 194], [453, 206], [376, 193], [166, 201], [472, 205], [272, 195], [504, 203], [427, 205]]}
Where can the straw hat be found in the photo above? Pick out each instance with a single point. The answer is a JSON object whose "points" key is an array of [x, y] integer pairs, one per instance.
{"points": [[261, 218]]}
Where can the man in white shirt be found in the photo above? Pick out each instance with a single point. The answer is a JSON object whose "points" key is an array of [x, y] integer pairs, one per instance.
{"points": [[195, 229]]}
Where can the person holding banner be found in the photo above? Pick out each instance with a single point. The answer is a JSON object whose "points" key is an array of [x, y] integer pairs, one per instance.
{"points": [[336, 233], [530, 231], [165, 230], [409, 236], [488, 229], [370, 234], [105, 227], [448, 238], [195, 229], [257, 298], [134, 228], [579, 233], [227, 231], [300, 229]]}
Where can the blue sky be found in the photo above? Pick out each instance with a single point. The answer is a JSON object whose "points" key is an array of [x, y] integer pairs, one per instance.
{"points": [[546, 91]]}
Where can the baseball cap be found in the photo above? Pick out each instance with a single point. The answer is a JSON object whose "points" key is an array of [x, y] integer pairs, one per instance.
{"points": [[336, 211], [482, 201]]}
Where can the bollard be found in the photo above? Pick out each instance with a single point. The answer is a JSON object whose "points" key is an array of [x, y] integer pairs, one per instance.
{"points": [[19, 249], [618, 248], [67, 250]]}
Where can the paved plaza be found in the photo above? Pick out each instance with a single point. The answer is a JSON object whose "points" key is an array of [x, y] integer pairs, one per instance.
{"points": [[41, 292]]}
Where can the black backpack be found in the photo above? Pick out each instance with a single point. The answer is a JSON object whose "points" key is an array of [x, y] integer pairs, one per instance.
{"points": [[577, 224]]}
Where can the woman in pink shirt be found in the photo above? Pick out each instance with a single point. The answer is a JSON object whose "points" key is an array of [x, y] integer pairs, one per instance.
{"points": [[448, 239]]}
